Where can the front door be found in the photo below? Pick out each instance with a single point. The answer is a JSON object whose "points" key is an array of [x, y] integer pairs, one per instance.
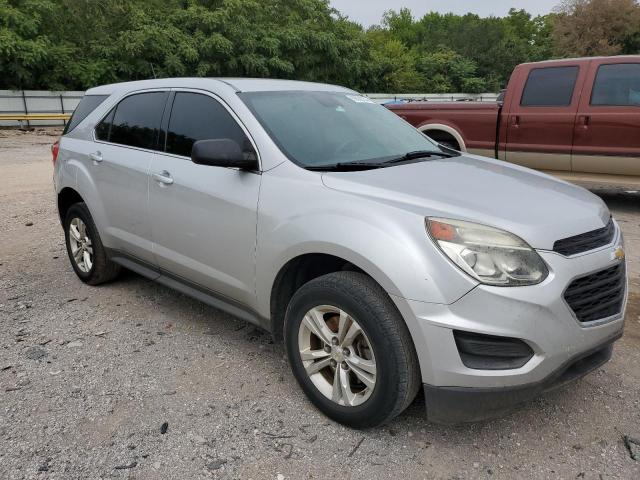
{"points": [[125, 142], [540, 123], [607, 133], [203, 217]]}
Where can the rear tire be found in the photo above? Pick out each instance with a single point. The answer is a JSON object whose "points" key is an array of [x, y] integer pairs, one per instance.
{"points": [[84, 247], [378, 365]]}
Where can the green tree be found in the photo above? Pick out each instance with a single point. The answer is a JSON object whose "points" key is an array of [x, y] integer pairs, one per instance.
{"points": [[393, 66], [24, 50], [76, 44], [446, 71]]}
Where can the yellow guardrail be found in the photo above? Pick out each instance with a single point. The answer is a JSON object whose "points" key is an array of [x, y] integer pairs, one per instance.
{"points": [[22, 117]]}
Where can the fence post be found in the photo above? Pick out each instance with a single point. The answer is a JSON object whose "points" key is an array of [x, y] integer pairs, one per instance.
{"points": [[64, 122], [26, 111]]}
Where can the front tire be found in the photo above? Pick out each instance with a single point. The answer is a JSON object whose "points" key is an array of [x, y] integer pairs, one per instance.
{"points": [[84, 247], [350, 350]]}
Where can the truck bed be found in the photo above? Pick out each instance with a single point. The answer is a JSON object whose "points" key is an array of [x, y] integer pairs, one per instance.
{"points": [[476, 122]]}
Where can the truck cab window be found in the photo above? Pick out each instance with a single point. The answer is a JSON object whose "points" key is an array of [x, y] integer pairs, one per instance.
{"points": [[617, 85], [549, 87]]}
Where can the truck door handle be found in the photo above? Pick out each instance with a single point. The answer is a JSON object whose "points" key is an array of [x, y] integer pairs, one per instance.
{"points": [[96, 157], [585, 120], [515, 120], [164, 177]]}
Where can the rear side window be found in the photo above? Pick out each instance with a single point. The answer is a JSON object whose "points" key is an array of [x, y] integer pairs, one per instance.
{"points": [[104, 127], [199, 117], [87, 105], [549, 87], [617, 85], [135, 122]]}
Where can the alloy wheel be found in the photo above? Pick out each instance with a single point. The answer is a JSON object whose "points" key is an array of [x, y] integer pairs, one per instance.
{"points": [[81, 246], [337, 355]]}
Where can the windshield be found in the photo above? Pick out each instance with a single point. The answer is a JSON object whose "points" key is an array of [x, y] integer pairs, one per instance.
{"points": [[324, 128]]}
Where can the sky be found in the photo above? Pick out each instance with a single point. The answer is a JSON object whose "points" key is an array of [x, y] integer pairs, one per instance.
{"points": [[369, 12]]}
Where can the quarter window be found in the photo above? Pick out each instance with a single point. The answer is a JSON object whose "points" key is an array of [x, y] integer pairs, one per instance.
{"points": [[617, 85], [549, 87], [135, 121], [200, 117], [87, 105]]}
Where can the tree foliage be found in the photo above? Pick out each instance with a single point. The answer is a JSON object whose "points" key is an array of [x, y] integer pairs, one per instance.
{"points": [[597, 27], [76, 44]]}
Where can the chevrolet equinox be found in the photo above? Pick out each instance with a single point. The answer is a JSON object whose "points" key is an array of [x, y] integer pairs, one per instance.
{"points": [[384, 261]]}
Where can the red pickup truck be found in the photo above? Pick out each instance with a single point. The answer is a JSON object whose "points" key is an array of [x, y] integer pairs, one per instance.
{"points": [[577, 118]]}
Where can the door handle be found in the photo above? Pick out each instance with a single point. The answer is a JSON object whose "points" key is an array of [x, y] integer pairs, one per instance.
{"points": [[585, 120], [96, 157], [515, 120], [164, 178]]}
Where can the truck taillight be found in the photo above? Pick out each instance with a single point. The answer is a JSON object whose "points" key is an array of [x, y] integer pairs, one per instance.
{"points": [[54, 151]]}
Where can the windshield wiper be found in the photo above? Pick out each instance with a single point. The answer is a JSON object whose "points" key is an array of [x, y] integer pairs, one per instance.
{"points": [[347, 166], [354, 166], [420, 154]]}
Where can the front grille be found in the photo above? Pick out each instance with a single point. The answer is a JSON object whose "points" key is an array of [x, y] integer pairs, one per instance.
{"points": [[598, 295], [586, 241]]}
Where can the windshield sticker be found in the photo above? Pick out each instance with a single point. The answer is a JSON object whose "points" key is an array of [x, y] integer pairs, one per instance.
{"points": [[359, 98]]}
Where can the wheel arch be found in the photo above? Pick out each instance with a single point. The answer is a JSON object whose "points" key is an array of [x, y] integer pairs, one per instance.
{"points": [[304, 267], [446, 129], [67, 197]]}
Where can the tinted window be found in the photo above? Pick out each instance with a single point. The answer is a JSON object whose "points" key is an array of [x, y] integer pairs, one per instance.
{"points": [[617, 84], [200, 117], [137, 120], [87, 105], [549, 87], [104, 127]]}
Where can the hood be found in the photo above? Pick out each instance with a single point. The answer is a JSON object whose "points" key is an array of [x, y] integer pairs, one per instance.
{"points": [[537, 207]]}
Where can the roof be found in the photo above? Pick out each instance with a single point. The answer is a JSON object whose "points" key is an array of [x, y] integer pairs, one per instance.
{"points": [[238, 84], [269, 84], [632, 58]]}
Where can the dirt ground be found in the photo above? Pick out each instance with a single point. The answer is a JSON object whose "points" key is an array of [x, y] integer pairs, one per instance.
{"points": [[89, 375]]}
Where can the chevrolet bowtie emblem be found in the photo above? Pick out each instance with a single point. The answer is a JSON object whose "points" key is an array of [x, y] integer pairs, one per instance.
{"points": [[619, 253]]}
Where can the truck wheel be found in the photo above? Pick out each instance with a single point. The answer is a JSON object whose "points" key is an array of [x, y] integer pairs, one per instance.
{"points": [[86, 252], [350, 350]]}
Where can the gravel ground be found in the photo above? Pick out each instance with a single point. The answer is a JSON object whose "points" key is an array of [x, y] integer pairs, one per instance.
{"points": [[90, 378]]}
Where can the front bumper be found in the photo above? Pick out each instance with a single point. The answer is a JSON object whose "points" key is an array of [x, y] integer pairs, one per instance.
{"points": [[537, 315], [449, 405]]}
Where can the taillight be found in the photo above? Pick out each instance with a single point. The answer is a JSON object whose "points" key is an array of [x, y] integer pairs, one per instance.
{"points": [[54, 151]]}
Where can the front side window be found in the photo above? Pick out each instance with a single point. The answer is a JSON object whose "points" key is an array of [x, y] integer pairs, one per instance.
{"points": [[200, 117], [617, 85], [549, 87], [316, 129], [135, 121]]}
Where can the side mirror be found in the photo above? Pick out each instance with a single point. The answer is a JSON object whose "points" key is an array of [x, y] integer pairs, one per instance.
{"points": [[222, 152]]}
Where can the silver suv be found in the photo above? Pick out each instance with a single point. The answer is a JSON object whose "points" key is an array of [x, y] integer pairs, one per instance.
{"points": [[386, 263]]}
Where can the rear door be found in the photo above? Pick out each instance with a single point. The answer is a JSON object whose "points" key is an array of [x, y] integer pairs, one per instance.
{"points": [[607, 133], [540, 123], [126, 140], [204, 217]]}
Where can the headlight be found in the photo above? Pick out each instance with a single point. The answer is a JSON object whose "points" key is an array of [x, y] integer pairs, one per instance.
{"points": [[490, 255]]}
